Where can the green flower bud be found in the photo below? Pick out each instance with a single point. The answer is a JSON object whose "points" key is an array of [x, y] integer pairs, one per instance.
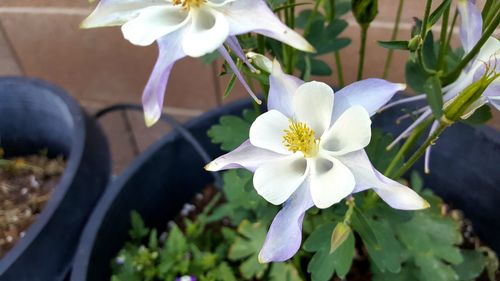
{"points": [[365, 11], [415, 43]]}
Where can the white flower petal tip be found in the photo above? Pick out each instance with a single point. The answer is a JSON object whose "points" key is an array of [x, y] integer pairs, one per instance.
{"points": [[402, 86], [151, 119], [211, 167], [426, 205], [261, 259]]}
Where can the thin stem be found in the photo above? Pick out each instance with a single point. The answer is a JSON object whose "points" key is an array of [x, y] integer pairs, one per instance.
{"points": [[340, 71], [410, 142], [421, 151], [450, 77], [423, 31], [337, 58], [309, 23], [490, 15], [486, 9], [443, 48], [362, 50], [388, 61], [450, 34]]}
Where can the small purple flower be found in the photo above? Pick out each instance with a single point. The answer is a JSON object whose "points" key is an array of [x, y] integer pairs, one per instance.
{"points": [[186, 278]]}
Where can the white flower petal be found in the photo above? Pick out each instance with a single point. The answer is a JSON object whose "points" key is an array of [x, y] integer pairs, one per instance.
{"points": [[393, 193], [351, 132], [313, 104], [207, 33], [278, 179], [254, 15], [471, 26], [282, 88], [153, 95], [285, 234], [245, 156], [371, 93], [331, 181], [117, 12], [153, 23], [267, 131]]}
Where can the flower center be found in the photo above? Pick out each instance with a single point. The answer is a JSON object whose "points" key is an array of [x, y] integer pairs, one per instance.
{"points": [[299, 137], [187, 4]]}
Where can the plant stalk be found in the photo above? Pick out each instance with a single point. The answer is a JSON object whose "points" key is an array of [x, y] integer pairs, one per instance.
{"points": [[362, 51], [443, 47], [388, 61]]}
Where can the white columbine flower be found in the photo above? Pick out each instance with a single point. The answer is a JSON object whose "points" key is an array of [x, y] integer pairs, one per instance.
{"points": [[189, 28], [308, 149]]}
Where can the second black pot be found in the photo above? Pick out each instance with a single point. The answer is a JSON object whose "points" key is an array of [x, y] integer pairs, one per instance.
{"points": [[170, 173]]}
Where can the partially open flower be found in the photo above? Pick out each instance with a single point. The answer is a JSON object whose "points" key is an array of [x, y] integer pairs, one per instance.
{"points": [[308, 149], [189, 28]]}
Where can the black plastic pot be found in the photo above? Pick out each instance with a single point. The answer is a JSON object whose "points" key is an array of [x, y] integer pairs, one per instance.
{"points": [[170, 173], [35, 115]]}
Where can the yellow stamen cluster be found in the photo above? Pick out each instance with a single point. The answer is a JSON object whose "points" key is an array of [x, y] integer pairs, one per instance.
{"points": [[299, 137], [187, 4]]}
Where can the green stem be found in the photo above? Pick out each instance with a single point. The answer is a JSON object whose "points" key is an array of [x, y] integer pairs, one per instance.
{"points": [[443, 47], [388, 61], [450, 33], [486, 9], [421, 151], [453, 75], [410, 142], [337, 58], [490, 14], [423, 31], [309, 23], [340, 71], [362, 50]]}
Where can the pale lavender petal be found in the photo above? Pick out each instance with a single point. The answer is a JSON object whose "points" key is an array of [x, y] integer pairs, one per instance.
{"points": [[371, 93], [282, 88], [393, 193], [412, 127], [285, 234], [245, 156], [152, 99], [234, 45], [255, 16], [237, 72], [471, 27], [403, 101]]}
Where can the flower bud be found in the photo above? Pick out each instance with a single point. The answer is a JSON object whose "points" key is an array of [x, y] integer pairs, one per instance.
{"points": [[365, 11]]}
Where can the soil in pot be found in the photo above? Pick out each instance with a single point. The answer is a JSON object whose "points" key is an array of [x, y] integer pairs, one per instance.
{"points": [[26, 184], [205, 243]]}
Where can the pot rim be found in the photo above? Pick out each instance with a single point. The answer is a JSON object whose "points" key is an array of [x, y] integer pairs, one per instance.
{"points": [[73, 160]]}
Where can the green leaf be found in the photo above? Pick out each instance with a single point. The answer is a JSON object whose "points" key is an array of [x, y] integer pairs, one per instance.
{"points": [[480, 116], [284, 272], [394, 45], [138, 229], [472, 266], [323, 264], [361, 225], [247, 247], [436, 14], [230, 85], [415, 75], [232, 130], [433, 91]]}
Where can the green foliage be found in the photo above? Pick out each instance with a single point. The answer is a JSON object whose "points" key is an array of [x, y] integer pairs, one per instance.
{"points": [[480, 116], [232, 130], [395, 45], [432, 88], [377, 152]]}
